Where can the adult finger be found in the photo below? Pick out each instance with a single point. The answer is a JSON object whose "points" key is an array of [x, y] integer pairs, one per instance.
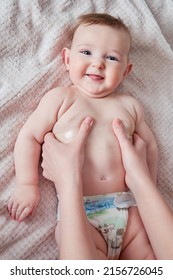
{"points": [[50, 138], [49, 142], [84, 131], [119, 131]]}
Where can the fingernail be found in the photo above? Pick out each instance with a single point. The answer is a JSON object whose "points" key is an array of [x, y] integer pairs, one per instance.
{"points": [[89, 120]]}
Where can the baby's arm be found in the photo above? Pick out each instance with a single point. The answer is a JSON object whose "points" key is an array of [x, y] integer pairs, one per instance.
{"points": [[143, 130], [25, 196]]}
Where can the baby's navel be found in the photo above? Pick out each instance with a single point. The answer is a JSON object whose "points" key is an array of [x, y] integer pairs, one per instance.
{"points": [[103, 177]]}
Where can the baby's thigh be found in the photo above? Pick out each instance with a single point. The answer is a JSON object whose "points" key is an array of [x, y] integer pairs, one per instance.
{"points": [[136, 245], [98, 241]]}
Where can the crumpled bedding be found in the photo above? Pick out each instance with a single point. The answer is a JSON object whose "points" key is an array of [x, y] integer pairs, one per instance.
{"points": [[32, 36]]}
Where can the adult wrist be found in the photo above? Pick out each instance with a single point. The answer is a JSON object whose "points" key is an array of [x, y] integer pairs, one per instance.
{"points": [[69, 184], [141, 184]]}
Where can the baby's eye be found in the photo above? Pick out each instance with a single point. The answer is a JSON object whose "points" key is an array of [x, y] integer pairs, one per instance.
{"points": [[86, 52], [113, 58]]}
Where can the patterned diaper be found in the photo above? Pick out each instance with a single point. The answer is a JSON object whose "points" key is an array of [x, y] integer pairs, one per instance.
{"points": [[109, 214]]}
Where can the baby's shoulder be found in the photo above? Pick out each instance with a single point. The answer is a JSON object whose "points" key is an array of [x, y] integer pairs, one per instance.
{"points": [[126, 98], [129, 100], [57, 94]]}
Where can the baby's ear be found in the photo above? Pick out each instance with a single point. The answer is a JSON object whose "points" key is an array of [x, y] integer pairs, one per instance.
{"points": [[65, 54], [128, 70]]}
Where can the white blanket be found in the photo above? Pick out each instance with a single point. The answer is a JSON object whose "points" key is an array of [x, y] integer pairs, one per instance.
{"points": [[32, 34]]}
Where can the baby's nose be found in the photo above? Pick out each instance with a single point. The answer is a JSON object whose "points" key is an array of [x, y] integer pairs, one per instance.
{"points": [[98, 63]]}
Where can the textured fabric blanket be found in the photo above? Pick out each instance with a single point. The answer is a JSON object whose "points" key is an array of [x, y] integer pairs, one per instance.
{"points": [[32, 33]]}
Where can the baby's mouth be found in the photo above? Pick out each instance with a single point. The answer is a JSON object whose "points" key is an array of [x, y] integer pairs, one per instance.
{"points": [[95, 77]]}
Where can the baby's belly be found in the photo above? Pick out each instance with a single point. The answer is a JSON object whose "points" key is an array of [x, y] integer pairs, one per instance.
{"points": [[103, 172]]}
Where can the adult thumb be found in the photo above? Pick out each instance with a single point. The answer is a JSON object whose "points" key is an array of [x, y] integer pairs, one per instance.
{"points": [[119, 131], [84, 132]]}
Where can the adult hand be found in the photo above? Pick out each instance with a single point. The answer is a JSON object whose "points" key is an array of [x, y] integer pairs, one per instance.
{"points": [[133, 155], [62, 161]]}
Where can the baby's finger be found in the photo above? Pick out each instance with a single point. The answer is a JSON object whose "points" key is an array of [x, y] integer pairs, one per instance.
{"points": [[84, 131], [25, 213], [19, 211], [14, 210], [10, 205]]}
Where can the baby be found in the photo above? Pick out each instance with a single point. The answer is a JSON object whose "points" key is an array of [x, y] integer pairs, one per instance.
{"points": [[97, 62]]}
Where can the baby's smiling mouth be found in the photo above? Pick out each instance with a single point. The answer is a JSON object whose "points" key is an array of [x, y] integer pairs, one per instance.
{"points": [[95, 77]]}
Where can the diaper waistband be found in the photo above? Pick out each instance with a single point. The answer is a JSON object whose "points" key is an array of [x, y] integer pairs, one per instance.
{"points": [[112, 200]]}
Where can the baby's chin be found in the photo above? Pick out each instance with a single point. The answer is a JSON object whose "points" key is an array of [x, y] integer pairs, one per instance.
{"points": [[92, 91], [95, 94]]}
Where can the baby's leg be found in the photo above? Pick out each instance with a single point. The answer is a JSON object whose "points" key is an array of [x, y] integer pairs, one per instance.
{"points": [[99, 241], [136, 245]]}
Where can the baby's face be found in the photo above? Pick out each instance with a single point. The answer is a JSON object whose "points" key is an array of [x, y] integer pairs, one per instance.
{"points": [[98, 59]]}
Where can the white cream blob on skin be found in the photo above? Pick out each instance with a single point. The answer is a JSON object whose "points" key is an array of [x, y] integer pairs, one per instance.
{"points": [[66, 136], [69, 134]]}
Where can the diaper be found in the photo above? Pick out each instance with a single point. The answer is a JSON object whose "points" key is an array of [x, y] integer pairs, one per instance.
{"points": [[109, 214]]}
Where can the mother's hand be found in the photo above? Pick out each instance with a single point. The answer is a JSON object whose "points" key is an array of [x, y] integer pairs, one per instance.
{"points": [[64, 160], [133, 155]]}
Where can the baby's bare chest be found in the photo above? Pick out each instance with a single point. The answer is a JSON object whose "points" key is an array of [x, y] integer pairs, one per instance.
{"points": [[103, 113]]}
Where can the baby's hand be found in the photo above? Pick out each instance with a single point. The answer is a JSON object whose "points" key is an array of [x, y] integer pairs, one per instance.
{"points": [[23, 201]]}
